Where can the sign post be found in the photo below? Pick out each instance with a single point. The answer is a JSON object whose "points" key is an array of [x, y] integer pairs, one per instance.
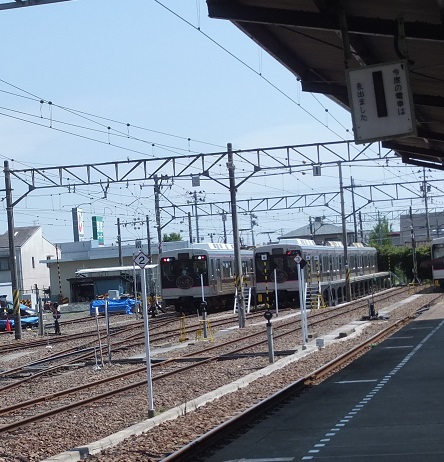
{"points": [[141, 260], [300, 263]]}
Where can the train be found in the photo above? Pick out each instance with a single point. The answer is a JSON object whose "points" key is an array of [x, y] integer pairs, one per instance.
{"points": [[200, 272], [437, 256], [323, 271], [206, 272]]}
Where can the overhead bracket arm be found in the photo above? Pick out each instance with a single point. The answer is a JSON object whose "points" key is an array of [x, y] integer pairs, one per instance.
{"points": [[348, 56], [399, 43]]}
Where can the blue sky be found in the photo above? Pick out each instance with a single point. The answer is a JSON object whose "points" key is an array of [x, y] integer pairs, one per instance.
{"points": [[168, 69]]}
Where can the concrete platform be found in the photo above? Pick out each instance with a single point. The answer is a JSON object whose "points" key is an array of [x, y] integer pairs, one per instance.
{"points": [[388, 406]]}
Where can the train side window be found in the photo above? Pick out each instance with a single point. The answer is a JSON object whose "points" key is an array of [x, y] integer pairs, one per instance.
{"points": [[340, 262], [325, 265], [227, 269], [352, 265]]}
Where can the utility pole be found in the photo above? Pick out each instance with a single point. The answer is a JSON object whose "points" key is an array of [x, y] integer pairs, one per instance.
{"points": [[425, 189], [119, 242], [361, 230], [415, 263], [190, 228], [253, 223], [195, 201], [311, 228], [224, 221], [344, 236], [354, 209], [380, 229], [12, 260], [157, 208], [236, 243], [148, 237]]}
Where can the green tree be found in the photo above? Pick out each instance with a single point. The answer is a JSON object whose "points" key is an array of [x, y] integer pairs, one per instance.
{"points": [[171, 237], [380, 234]]}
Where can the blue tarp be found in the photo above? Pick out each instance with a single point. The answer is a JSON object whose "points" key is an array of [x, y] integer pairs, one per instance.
{"points": [[114, 306], [26, 322]]}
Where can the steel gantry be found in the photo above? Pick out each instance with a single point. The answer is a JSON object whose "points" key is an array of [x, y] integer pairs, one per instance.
{"points": [[209, 166]]}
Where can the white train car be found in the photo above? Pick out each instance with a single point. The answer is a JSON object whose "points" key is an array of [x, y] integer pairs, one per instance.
{"points": [[324, 273], [199, 271], [438, 261]]}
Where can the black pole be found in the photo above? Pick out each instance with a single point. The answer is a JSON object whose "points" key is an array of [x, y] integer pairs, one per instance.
{"points": [[12, 260]]}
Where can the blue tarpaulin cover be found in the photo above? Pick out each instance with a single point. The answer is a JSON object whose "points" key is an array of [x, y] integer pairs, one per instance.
{"points": [[114, 306], [26, 322]]}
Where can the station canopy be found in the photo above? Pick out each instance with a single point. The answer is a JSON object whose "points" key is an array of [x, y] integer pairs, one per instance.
{"points": [[318, 40]]}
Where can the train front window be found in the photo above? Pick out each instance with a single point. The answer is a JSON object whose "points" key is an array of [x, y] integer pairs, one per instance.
{"points": [[192, 269], [284, 265], [438, 251]]}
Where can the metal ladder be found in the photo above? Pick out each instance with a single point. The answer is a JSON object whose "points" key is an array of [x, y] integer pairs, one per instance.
{"points": [[246, 292]]}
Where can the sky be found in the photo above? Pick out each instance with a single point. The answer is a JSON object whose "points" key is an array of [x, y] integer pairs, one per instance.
{"points": [[90, 81]]}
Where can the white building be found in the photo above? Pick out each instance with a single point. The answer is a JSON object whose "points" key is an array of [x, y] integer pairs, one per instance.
{"points": [[31, 252]]}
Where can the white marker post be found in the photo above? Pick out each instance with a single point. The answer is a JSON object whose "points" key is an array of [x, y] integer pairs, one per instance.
{"points": [[298, 259], [276, 298], [141, 260]]}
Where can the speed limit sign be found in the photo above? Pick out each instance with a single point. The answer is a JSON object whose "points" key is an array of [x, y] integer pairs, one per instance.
{"points": [[141, 260]]}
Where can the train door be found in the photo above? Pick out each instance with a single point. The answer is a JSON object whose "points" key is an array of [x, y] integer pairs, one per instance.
{"points": [[218, 276], [213, 277]]}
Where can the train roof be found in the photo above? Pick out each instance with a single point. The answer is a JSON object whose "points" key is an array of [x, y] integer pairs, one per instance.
{"points": [[216, 247], [308, 245]]}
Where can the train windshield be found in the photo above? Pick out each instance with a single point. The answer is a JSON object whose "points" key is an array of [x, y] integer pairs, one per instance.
{"points": [[284, 265], [184, 272]]}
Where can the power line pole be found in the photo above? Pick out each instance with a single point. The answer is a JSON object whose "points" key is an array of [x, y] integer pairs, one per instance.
{"points": [[354, 209], [12, 260], [224, 221], [157, 211], [425, 190], [415, 263], [195, 197], [236, 243], [190, 228], [344, 236], [361, 230], [119, 242], [148, 237], [253, 223]]}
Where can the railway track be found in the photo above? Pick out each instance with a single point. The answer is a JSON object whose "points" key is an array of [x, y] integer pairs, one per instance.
{"points": [[252, 343]]}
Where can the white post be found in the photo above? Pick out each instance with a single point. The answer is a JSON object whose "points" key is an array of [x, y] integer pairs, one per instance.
{"points": [[147, 345], [202, 287], [302, 304], [98, 335], [108, 338], [276, 292]]}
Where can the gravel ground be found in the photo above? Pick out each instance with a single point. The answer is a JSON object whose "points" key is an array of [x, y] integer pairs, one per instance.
{"points": [[46, 438]]}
